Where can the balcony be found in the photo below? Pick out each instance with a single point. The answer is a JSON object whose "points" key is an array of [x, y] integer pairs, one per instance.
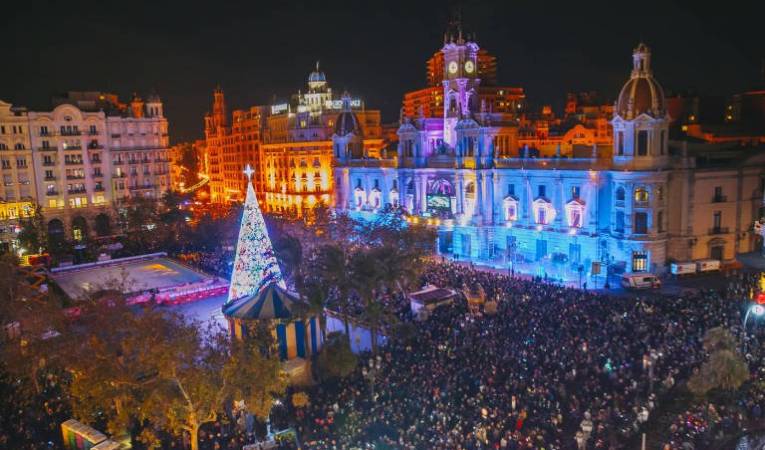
{"points": [[48, 163], [75, 177], [118, 162], [98, 189], [161, 172], [116, 136], [95, 160], [95, 147], [642, 204], [133, 161], [73, 147], [718, 230], [98, 175], [73, 162], [76, 191], [51, 192], [120, 175], [719, 199], [92, 132], [70, 132], [50, 178], [47, 149]]}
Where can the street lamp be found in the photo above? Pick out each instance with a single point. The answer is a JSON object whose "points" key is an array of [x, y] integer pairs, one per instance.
{"points": [[370, 373]]}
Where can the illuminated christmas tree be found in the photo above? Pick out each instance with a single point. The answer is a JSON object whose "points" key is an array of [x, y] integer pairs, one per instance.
{"points": [[254, 263]]}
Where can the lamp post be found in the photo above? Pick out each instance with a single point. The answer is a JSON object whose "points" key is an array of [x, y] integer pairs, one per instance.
{"points": [[370, 373], [755, 310], [649, 361]]}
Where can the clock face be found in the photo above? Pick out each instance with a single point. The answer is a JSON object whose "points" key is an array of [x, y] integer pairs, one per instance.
{"points": [[469, 67], [453, 67]]}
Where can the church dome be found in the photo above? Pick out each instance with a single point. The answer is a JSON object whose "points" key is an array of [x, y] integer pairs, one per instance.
{"points": [[346, 121], [317, 76], [641, 94]]}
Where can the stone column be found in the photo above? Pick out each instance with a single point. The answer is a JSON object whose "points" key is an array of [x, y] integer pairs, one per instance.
{"points": [[460, 191], [478, 210], [488, 216], [424, 193]]}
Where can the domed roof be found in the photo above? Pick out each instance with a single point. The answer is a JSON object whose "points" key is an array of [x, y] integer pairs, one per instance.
{"points": [[317, 76], [346, 121], [641, 94]]}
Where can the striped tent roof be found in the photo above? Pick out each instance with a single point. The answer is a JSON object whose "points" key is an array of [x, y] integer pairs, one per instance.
{"points": [[270, 302]]}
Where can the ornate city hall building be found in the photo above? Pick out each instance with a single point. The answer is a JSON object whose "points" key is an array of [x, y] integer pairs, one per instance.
{"points": [[634, 202]]}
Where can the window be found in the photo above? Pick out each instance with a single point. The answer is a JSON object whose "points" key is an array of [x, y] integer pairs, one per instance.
{"points": [[619, 222], [641, 195], [93, 129], [642, 143], [575, 216], [621, 144], [542, 216], [641, 223], [575, 192], [511, 190], [541, 190], [620, 194], [717, 220], [639, 261]]}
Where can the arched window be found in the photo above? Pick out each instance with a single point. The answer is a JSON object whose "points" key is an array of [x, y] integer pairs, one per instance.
{"points": [[620, 194]]}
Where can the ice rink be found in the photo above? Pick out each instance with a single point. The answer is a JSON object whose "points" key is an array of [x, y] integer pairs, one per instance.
{"points": [[131, 276]]}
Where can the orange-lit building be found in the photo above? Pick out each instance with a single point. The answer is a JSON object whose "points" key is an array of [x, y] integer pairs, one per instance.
{"points": [[584, 125], [429, 102], [297, 146], [289, 144]]}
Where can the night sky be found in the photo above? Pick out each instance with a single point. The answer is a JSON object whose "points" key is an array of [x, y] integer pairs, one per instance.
{"points": [[376, 50]]}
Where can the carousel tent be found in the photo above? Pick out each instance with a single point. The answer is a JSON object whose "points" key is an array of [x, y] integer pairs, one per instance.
{"points": [[295, 336]]}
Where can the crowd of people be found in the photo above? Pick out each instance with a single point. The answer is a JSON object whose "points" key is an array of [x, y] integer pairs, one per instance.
{"points": [[554, 368], [31, 421]]}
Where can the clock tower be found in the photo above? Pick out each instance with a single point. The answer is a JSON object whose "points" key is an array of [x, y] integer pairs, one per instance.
{"points": [[460, 80]]}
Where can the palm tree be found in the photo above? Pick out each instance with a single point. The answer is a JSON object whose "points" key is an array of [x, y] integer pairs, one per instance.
{"points": [[366, 279], [332, 272]]}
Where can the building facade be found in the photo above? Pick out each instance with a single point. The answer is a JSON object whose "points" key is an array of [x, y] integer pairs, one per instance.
{"points": [[632, 203], [298, 150], [288, 143], [86, 155], [18, 191]]}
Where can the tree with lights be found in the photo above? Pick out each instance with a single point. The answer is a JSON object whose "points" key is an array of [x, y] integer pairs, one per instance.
{"points": [[254, 263]]}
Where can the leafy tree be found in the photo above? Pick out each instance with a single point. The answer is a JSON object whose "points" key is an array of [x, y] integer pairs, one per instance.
{"points": [[198, 377], [289, 252], [32, 323], [33, 235], [725, 369], [336, 359]]}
